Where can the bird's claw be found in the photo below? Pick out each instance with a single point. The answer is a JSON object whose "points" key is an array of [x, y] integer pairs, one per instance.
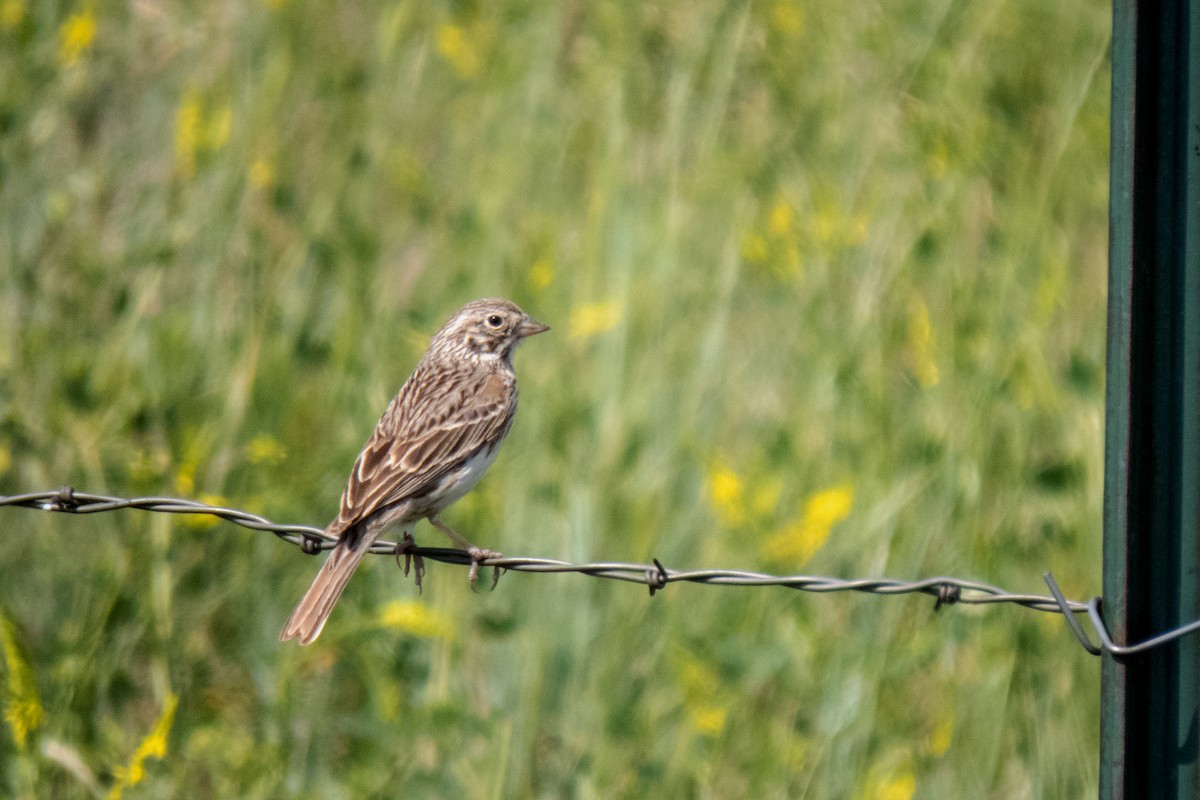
{"points": [[478, 556], [408, 547]]}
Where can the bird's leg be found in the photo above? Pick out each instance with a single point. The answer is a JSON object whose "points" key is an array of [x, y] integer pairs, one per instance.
{"points": [[478, 554], [459, 540], [407, 546]]}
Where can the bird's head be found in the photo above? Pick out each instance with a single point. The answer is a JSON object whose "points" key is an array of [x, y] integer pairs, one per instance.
{"points": [[486, 328]]}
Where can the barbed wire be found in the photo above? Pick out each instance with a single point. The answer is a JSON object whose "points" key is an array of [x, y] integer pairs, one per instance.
{"points": [[945, 590]]}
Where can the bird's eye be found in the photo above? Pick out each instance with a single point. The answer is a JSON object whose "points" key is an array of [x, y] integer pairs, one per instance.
{"points": [[495, 320]]}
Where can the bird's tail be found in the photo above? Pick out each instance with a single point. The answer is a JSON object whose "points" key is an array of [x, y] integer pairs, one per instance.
{"points": [[308, 618]]}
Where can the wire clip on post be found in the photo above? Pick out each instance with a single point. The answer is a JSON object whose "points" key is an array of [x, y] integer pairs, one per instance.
{"points": [[1119, 652]]}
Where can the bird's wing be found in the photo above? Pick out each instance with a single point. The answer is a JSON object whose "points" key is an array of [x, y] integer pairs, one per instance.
{"points": [[431, 427]]}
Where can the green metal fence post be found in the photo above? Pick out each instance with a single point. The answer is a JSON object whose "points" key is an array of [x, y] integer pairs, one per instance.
{"points": [[1150, 730]]}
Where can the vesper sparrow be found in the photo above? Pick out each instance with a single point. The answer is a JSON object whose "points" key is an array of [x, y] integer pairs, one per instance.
{"points": [[433, 443]]}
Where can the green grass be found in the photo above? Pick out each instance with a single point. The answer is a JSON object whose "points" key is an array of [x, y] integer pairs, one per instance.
{"points": [[785, 248]]}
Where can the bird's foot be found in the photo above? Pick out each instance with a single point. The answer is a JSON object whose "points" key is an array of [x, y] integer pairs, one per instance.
{"points": [[478, 556], [407, 548]]}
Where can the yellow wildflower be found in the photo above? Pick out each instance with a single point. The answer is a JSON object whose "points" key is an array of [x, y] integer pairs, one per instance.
{"points": [[22, 705], [726, 495], [707, 719], [594, 318], [458, 50], [920, 345], [11, 13], [76, 36], [541, 273], [898, 787], [265, 449], [834, 226], [187, 133], [779, 221], [701, 686], [185, 478], [262, 173], [5, 458], [775, 243], [412, 616], [205, 520], [799, 540], [829, 506], [185, 484], [197, 132], [940, 738], [901, 786], [153, 746], [787, 18]]}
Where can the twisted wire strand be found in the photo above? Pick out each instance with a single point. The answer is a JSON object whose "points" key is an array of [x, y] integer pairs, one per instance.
{"points": [[947, 590]]}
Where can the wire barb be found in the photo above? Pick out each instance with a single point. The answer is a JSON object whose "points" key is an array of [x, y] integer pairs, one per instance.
{"points": [[947, 595], [945, 590], [657, 578], [309, 544], [64, 500]]}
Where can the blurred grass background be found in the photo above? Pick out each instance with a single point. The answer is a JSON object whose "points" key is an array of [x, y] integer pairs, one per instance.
{"points": [[827, 289]]}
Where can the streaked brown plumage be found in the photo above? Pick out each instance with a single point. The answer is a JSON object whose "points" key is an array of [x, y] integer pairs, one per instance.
{"points": [[433, 443]]}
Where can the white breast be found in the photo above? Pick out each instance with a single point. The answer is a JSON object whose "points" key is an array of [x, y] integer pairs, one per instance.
{"points": [[462, 480]]}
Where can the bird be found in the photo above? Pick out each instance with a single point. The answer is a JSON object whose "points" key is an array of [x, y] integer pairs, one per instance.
{"points": [[433, 443]]}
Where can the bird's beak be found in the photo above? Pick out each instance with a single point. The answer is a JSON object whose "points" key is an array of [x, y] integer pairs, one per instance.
{"points": [[530, 327]]}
